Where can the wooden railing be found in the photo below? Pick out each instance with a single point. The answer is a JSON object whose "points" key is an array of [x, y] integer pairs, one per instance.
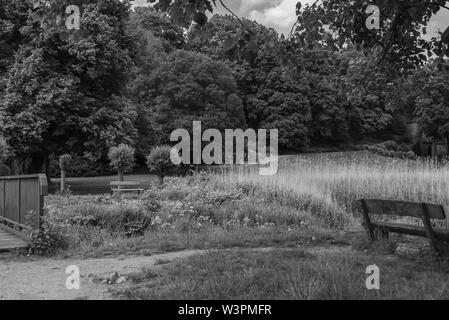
{"points": [[22, 201]]}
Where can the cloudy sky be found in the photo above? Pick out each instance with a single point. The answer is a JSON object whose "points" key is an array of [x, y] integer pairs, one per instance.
{"points": [[280, 14]]}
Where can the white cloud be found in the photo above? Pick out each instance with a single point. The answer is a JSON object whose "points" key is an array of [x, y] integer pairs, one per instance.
{"points": [[281, 14]]}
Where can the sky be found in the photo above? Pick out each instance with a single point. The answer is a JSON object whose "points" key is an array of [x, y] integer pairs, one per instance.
{"points": [[280, 14]]}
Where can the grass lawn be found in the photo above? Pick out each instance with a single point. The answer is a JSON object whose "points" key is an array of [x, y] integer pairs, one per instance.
{"points": [[289, 274], [99, 185]]}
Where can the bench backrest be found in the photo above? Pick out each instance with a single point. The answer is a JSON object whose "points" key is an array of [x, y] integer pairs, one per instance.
{"points": [[125, 184], [403, 208]]}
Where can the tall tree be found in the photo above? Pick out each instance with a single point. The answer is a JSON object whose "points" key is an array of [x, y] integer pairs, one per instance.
{"points": [[187, 87], [428, 95], [63, 91]]}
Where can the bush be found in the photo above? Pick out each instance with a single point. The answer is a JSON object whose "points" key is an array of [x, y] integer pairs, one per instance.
{"points": [[46, 240], [159, 162], [389, 145], [411, 155], [65, 159], [122, 159]]}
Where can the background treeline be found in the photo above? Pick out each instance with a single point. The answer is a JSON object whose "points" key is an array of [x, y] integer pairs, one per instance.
{"points": [[132, 76]]}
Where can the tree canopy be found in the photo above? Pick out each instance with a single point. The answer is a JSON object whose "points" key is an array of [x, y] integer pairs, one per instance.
{"points": [[131, 76], [63, 94]]}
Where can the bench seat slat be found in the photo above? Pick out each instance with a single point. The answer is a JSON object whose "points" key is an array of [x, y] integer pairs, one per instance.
{"points": [[441, 234], [404, 209], [124, 183]]}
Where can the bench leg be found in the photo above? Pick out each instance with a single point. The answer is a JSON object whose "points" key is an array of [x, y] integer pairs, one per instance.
{"points": [[381, 234], [367, 222], [429, 231]]}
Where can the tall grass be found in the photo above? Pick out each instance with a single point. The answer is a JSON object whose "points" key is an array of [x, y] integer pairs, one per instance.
{"points": [[329, 184]]}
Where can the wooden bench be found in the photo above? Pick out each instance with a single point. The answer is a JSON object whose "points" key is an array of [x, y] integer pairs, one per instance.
{"points": [[126, 186], [424, 211]]}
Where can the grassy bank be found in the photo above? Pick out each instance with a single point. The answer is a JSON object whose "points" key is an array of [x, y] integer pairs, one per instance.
{"points": [[187, 213]]}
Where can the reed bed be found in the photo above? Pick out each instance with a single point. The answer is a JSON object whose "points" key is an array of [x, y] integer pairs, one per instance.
{"points": [[329, 184]]}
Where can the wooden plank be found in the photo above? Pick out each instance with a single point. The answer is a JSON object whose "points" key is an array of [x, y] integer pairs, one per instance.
{"points": [[29, 199], [404, 209], [24, 176], [11, 202], [19, 234], [367, 221], [124, 183], [43, 184], [440, 234], [428, 227], [13, 245], [9, 241], [2, 199]]}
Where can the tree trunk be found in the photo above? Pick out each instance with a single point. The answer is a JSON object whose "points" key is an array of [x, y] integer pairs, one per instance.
{"points": [[447, 144], [160, 178], [47, 169], [62, 179], [120, 176]]}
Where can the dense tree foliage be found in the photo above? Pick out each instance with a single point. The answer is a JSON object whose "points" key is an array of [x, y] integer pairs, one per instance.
{"points": [[133, 76], [428, 95], [398, 40], [122, 159], [64, 94], [187, 87]]}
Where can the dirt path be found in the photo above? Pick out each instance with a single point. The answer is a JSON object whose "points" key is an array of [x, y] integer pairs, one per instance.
{"points": [[46, 279]]}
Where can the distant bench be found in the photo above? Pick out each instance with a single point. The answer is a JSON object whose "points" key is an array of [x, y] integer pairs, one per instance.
{"points": [[125, 186], [423, 211]]}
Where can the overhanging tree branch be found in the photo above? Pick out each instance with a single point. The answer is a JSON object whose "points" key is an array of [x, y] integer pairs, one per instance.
{"points": [[237, 17]]}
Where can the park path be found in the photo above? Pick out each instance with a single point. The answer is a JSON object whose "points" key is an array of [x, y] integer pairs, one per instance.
{"points": [[45, 279]]}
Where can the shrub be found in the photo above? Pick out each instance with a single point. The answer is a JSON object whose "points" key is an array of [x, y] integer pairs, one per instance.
{"points": [[411, 155], [389, 145], [122, 159], [46, 240], [159, 162], [151, 205]]}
